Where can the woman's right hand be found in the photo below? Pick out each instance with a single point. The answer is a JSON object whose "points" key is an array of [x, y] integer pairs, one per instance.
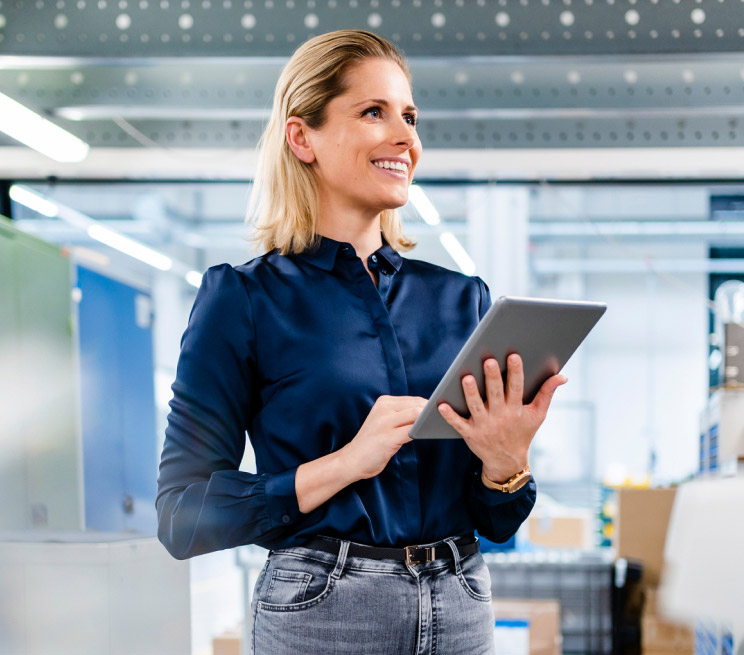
{"points": [[382, 434]]}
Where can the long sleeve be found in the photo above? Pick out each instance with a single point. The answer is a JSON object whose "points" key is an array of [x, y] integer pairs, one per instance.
{"points": [[497, 515], [204, 502]]}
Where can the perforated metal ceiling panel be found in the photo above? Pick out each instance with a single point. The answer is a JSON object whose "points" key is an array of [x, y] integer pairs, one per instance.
{"points": [[214, 28], [487, 74]]}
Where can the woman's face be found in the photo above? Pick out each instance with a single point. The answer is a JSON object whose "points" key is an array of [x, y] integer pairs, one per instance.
{"points": [[367, 149]]}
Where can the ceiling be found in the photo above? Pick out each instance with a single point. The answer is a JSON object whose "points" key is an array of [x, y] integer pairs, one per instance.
{"points": [[513, 86]]}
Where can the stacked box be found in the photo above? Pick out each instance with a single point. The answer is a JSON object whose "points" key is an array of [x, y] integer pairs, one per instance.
{"points": [[537, 620], [581, 582], [659, 635], [641, 528]]}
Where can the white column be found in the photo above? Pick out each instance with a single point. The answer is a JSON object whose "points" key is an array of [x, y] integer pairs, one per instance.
{"points": [[498, 237]]}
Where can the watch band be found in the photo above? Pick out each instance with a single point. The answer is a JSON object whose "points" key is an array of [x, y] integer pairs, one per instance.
{"points": [[514, 483]]}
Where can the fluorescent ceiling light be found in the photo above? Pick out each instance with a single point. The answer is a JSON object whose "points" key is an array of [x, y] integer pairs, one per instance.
{"points": [[453, 246], [423, 205], [135, 112], [33, 201], [105, 235], [95, 230], [36, 132], [130, 247], [194, 278]]}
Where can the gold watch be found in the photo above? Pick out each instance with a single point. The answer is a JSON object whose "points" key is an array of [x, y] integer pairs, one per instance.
{"points": [[514, 483]]}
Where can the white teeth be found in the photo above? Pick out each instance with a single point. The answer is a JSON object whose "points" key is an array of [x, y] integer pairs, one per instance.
{"points": [[395, 165]]}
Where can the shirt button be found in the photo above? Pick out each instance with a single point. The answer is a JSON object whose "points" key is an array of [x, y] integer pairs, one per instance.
{"points": [[286, 519], [374, 258], [384, 272]]}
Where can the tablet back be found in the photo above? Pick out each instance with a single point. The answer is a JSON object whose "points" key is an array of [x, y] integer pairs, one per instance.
{"points": [[545, 333]]}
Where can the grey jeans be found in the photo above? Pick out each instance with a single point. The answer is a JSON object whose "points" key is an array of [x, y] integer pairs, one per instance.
{"points": [[309, 602]]}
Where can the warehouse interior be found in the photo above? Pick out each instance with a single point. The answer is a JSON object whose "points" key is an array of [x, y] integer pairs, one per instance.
{"points": [[585, 150]]}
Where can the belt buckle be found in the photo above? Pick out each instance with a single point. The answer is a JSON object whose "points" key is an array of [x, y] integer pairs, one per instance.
{"points": [[429, 550]]}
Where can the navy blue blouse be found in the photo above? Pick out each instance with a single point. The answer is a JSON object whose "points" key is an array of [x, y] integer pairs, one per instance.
{"points": [[295, 350]]}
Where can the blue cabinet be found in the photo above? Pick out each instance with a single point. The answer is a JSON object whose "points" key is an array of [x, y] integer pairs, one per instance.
{"points": [[117, 404]]}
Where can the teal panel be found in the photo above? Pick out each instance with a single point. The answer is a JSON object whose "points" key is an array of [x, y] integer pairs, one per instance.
{"points": [[13, 484], [42, 378]]}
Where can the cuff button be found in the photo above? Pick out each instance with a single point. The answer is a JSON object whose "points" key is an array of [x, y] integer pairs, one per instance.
{"points": [[286, 519]]}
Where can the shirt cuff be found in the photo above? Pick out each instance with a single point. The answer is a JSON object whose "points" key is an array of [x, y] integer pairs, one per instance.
{"points": [[281, 498], [493, 497]]}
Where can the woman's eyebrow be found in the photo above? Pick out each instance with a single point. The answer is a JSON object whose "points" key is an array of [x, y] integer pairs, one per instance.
{"points": [[383, 103]]}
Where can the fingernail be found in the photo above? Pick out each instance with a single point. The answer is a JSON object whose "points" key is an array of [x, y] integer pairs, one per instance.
{"points": [[442, 409], [490, 365]]}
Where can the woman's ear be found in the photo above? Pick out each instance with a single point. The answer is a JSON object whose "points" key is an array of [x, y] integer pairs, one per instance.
{"points": [[297, 131]]}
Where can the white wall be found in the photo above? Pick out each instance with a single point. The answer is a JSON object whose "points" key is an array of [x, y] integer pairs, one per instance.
{"points": [[644, 367]]}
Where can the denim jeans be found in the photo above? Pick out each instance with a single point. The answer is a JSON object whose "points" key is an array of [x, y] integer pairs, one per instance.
{"points": [[309, 602]]}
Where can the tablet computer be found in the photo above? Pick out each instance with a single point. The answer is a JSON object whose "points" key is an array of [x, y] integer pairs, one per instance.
{"points": [[545, 333]]}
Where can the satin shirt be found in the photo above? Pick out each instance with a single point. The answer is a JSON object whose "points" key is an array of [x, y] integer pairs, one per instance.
{"points": [[292, 352]]}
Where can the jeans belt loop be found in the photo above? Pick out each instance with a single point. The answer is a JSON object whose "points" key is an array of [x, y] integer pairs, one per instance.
{"points": [[429, 550]]}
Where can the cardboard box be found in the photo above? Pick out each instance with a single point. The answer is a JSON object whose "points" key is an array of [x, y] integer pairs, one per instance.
{"points": [[228, 643], [641, 528], [543, 619], [561, 531], [660, 635]]}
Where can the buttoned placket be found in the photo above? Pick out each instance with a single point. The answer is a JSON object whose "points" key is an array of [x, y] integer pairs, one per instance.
{"points": [[404, 462]]}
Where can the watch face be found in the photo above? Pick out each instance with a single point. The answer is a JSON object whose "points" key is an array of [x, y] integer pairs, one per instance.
{"points": [[519, 483]]}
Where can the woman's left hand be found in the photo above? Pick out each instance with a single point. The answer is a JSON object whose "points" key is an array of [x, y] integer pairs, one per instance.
{"points": [[501, 430]]}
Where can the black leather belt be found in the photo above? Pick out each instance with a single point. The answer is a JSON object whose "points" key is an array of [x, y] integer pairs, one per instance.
{"points": [[466, 545]]}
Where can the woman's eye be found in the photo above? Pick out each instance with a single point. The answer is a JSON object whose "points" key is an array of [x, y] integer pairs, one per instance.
{"points": [[372, 111], [412, 120]]}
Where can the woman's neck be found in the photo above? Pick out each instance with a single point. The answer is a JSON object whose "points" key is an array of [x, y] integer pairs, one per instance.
{"points": [[365, 236]]}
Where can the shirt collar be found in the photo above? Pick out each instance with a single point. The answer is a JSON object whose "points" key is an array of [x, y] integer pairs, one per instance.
{"points": [[324, 256]]}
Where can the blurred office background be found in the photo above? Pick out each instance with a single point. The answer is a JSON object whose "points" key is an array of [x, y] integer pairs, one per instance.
{"points": [[591, 150]]}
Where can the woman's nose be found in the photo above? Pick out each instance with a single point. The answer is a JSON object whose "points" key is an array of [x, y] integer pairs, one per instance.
{"points": [[403, 133]]}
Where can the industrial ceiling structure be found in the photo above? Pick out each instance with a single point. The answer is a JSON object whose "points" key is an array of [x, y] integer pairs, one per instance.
{"points": [[503, 86]]}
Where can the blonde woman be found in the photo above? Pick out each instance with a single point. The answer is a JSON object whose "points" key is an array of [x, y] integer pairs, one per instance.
{"points": [[324, 350]]}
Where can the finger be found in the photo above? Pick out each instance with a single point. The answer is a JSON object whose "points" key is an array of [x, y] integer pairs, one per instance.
{"points": [[541, 403], [494, 382], [400, 402], [404, 417], [514, 380], [454, 419], [401, 434], [413, 403], [472, 396]]}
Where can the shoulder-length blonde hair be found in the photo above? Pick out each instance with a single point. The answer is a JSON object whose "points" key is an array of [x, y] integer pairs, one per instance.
{"points": [[284, 201]]}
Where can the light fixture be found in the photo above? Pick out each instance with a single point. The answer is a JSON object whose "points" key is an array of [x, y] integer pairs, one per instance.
{"points": [[29, 199], [105, 235], [194, 278], [430, 215], [453, 246], [130, 247], [423, 205], [31, 129]]}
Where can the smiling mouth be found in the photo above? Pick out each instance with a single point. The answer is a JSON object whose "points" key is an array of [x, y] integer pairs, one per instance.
{"points": [[396, 167]]}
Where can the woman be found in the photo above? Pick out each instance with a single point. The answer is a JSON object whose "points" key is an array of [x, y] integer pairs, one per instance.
{"points": [[324, 349]]}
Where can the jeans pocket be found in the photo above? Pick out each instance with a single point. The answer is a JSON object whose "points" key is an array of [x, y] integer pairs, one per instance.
{"points": [[292, 583], [475, 578], [287, 587]]}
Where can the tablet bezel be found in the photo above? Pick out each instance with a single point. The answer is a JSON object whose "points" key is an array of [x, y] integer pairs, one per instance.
{"points": [[545, 332]]}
